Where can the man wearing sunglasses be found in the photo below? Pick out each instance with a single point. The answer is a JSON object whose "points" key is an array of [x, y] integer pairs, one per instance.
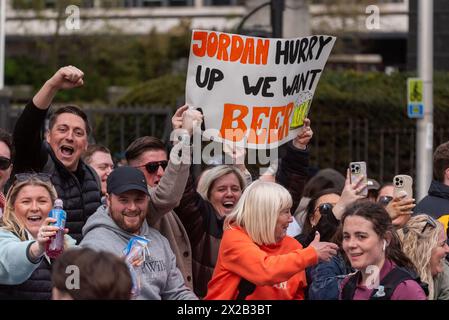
{"points": [[166, 180], [6, 156], [60, 153]]}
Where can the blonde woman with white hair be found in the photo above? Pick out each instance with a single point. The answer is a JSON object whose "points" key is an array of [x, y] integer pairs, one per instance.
{"points": [[256, 249], [424, 241], [202, 210]]}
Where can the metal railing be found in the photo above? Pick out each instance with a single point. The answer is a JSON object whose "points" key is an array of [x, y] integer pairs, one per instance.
{"points": [[113, 127], [387, 151]]}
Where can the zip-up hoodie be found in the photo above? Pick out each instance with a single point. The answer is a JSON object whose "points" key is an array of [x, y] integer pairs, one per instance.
{"points": [[160, 279]]}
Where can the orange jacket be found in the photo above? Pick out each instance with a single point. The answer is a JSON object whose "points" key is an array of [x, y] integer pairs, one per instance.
{"points": [[277, 270]]}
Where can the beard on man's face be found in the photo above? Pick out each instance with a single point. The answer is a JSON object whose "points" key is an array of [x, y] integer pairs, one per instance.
{"points": [[120, 217]]}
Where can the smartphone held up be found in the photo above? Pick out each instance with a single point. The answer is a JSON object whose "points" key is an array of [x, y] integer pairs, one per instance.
{"points": [[358, 169]]}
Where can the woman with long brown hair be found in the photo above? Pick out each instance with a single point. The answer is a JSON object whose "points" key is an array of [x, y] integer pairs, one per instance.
{"points": [[373, 248]]}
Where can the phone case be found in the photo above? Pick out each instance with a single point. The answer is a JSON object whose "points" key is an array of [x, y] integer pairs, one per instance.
{"points": [[357, 169], [403, 182]]}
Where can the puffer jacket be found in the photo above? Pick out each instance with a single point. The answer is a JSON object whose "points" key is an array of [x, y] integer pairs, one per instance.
{"points": [[79, 190], [37, 287]]}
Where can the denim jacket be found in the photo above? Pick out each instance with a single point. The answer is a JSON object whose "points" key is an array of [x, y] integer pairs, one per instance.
{"points": [[326, 277]]}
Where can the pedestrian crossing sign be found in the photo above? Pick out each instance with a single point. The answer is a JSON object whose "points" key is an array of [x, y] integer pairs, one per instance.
{"points": [[415, 110], [415, 100]]}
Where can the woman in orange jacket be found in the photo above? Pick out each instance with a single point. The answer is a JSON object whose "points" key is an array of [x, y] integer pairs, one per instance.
{"points": [[257, 260]]}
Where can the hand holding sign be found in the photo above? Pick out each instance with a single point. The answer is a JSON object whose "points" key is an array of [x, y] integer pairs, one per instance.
{"points": [[304, 135], [236, 153], [176, 120], [191, 118]]}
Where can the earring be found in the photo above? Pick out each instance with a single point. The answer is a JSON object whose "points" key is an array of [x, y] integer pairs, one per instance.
{"points": [[385, 245]]}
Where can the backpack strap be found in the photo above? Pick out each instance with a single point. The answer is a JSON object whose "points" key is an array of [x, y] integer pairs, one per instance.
{"points": [[245, 289], [348, 290], [392, 280]]}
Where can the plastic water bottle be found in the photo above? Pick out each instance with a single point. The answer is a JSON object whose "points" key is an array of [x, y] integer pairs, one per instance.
{"points": [[56, 244]]}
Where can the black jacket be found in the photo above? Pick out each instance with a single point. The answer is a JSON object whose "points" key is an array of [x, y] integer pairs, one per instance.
{"points": [[37, 287], [80, 190], [436, 203], [292, 172]]}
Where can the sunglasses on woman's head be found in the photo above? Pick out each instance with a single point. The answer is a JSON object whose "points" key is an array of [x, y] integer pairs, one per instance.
{"points": [[21, 177], [5, 163], [430, 222], [325, 208], [152, 167]]}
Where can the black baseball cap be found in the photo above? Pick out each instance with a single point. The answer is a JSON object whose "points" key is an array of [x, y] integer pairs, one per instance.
{"points": [[125, 178]]}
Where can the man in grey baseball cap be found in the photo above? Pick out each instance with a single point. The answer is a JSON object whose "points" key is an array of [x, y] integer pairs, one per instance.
{"points": [[112, 226]]}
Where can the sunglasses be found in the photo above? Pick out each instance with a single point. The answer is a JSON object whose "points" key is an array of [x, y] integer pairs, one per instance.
{"points": [[325, 208], [5, 163], [152, 167], [429, 223], [385, 200], [21, 177]]}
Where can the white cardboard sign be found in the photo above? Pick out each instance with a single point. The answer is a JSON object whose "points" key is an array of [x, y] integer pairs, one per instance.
{"points": [[254, 92]]}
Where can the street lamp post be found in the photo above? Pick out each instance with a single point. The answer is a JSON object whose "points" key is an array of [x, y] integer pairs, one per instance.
{"points": [[2, 42], [277, 15], [424, 126]]}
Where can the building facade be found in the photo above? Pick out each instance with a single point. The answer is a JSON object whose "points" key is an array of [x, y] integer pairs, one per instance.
{"points": [[358, 30]]}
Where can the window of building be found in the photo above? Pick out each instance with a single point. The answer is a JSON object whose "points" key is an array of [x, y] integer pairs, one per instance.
{"points": [[51, 4], [223, 2], [179, 3], [157, 3], [341, 2], [47, 4]]}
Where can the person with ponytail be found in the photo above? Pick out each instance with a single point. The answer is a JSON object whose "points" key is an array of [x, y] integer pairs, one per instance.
{"points": [[372, 246]]}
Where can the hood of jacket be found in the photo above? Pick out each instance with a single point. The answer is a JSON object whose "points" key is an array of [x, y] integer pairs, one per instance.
{"points": [[439, 190]]}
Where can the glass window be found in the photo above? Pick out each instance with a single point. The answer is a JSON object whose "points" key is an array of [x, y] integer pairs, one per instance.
{"points": [[47, 4], [178, 3], [222, 2], [156, 3]]}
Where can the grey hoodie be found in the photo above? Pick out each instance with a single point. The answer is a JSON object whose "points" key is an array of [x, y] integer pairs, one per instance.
{"points": [[160, 278]]}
